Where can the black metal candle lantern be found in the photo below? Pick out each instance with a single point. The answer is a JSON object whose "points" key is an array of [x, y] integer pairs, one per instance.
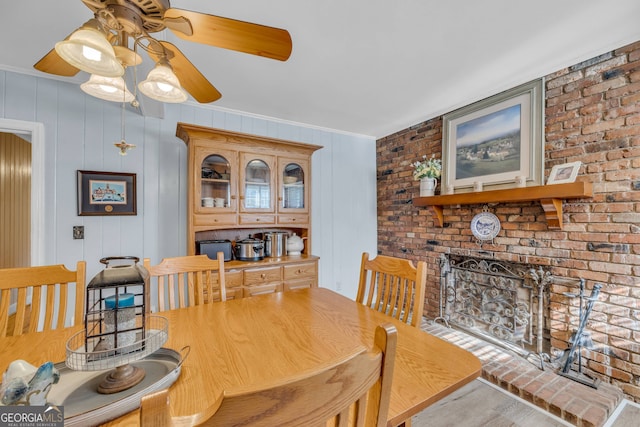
{"points": [[117, 304]]}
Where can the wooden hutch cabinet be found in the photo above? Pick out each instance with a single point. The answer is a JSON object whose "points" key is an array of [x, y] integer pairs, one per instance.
{"points": [[242, 185]]}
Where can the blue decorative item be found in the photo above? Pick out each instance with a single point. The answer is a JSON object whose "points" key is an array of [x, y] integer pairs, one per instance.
{"points": [[13, 391], [23, 384]]}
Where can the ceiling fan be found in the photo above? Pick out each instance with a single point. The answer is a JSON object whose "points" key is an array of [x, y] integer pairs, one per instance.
{"points": [[125, 23]]}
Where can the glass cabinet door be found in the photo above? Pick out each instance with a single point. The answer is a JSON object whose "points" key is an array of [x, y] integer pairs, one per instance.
{"points": [[257, 183], [215, 180], [293, 187]]}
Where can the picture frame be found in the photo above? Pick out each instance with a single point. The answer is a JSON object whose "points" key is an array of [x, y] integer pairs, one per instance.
{"points": [[106, 193], [565, 173], [494, 143]]}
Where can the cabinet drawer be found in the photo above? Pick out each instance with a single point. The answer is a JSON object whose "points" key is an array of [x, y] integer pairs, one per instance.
{"points": [[300, 284], [257, 219], [269, 288], [215, 219], [261, 276], [233, 279], [300, 271], [293, 219]]}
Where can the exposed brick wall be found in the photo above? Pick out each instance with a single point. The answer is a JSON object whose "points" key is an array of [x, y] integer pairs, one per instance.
{"points": [[592, 114]]}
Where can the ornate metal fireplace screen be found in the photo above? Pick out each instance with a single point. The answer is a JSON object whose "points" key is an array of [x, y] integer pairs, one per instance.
{"points": [[501, 301]]}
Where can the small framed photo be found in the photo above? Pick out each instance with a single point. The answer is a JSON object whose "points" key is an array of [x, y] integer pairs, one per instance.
{"points": [[106, 193], [563, 174]]}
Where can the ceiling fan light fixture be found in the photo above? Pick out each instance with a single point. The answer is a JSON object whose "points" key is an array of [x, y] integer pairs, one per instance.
{"points": [[162, 84], [107, 88], [88, 50]]}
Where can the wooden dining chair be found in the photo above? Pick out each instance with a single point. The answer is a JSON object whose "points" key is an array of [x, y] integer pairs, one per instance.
{"points": [[354, 391], [393, 286], [187, 280], [27, 291]]}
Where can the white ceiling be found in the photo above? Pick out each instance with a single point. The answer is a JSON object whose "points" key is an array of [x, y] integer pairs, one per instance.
{"points": [[369, 67]]}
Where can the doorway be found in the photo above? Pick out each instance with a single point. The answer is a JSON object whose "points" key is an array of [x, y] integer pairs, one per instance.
{"points": [[15, 201], [34, 133]]}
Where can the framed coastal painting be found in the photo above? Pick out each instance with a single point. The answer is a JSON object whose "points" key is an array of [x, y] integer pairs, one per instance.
{"points": [[494, 143], [106, 193]]}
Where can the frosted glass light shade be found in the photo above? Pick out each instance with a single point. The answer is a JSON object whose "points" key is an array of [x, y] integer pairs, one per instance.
{"points": [[163, 85], [88, 49], [107, 88]]}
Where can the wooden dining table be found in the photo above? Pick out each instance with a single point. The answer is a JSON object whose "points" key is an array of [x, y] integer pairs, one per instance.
{"points": [[256, 341]]}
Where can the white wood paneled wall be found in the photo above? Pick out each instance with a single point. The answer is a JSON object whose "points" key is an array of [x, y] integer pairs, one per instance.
{"points": [[80, 132]]}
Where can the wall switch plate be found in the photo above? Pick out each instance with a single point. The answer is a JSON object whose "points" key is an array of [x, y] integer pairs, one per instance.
{"points": [[78, 232]]}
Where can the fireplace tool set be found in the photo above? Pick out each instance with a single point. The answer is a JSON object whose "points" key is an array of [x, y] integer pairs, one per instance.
{"points": [[580, 338]]}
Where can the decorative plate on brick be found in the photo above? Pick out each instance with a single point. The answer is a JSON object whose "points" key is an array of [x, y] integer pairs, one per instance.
{"points": [[485, 226]]}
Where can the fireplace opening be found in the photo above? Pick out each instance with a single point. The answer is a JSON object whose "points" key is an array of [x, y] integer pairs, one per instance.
{"points": [[505, 303]]}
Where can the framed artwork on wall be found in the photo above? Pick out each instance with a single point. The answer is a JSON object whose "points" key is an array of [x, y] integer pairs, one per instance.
{"points": [[565, 173], [492, 143], [106, 193]]}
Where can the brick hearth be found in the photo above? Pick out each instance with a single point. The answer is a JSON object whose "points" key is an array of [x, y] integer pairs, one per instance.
{"points": [[576, 403]]}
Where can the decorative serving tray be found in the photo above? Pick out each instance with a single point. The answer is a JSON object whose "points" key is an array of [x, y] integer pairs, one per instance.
{"points": [[84, 406]]}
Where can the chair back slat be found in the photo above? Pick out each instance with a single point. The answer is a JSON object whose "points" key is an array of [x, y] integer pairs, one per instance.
{"points": [[393, 286], [62, 290], [201, 287], [50, 300], [34, 313], [160, 291], [22, 312], [354, 391], [5, 299], [181, 288], [188, 280], [172, 291], [190, 288], [21, 298]]}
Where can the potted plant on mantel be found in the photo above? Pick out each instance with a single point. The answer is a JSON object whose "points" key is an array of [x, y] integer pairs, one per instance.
{"points": [[427, 171]]}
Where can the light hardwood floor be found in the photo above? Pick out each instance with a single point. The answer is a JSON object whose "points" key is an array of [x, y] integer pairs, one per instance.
{"points": [[626, 415], [480, 404]]}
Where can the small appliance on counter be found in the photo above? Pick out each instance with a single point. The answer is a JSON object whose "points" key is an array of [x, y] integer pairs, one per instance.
{"points": [[212, 247], [275, 243], [249, 249]]}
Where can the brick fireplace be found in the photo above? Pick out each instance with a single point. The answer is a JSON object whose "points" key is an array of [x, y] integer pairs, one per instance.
{"points": [[592, 114], [503, 302]]}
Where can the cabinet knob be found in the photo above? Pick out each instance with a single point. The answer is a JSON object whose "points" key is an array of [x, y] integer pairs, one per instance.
{"points": [[233, 197], [262, 276]]}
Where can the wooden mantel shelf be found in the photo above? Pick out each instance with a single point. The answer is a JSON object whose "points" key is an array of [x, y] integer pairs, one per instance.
{"points": [[550, 197]]}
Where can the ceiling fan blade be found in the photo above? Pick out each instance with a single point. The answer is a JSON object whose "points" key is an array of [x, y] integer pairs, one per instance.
{"points": [[236, 35], [190, 77], [180, 24], [52, 63]]}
